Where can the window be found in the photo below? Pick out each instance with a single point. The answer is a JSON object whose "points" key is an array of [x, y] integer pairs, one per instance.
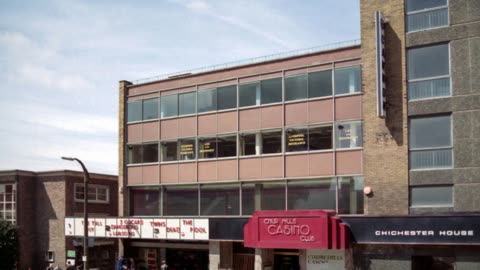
{"points": [[430, 142], [431, 196], [227, 97], [207, 148], [261, 142], [8, 202], [187, 149], [347, 80], [150, 108], [96, 194], [142, 153], [180, 200], [219, 200], [169, 106], [426, 14], [312, 194], [272, 196], [207, 100], [227, 146], [187, 103], [169, 151], [350, 195], [134, 111], [428, 72], [309, 138], [320, 84], [296, 87], [144, 202], [263, 92], [248, 198], [348, 135]]}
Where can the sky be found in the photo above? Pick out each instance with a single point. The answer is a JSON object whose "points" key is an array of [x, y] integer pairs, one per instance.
{"points": [[61, 61]]}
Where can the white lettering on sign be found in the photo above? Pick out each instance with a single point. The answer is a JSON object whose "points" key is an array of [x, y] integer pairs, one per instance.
{"points": [[144, 228], [325, 259], [426, 233], [288, 226]]}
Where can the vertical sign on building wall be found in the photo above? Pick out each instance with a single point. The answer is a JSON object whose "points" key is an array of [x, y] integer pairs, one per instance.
{"points": [[380, 57]]}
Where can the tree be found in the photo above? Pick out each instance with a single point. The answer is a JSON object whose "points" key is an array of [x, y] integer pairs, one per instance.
{"points": [[9, 245]]}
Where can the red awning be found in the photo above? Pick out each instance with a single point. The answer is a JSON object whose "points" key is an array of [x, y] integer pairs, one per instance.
{"points": [[299, 229]]}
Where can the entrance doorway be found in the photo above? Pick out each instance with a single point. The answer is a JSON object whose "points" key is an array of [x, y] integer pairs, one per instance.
{"points": [[286, 260]]}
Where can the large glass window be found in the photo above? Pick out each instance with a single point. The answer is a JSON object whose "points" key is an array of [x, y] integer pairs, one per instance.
{"points": [[348, 80], [249, 94], [350, 195], [248, 198], [169, 151], [271, 142], [426, 14], [169, 106], [8, 202], [430, 142], [261, 142], [145, 202], [348, 135], [296, 87], [207, 147], [180, 200], [272, 196], [297, 139], [150, 152], [428, 196], [428, 72], [187, 149], [320, 84], [134, 111], [247, 144], [271, 90], [227, 146], [309, 138], [186, 102], [219, 200], [207, 100], [150, 108], [134, 153], [227, 97], [96, 193], [312, 194]]}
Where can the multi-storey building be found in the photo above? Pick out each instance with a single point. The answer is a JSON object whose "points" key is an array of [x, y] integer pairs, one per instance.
{"points": [[38, 202], [393, 160]]}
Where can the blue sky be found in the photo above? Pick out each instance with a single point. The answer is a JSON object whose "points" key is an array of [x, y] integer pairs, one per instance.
{"points": [[61, 60]]}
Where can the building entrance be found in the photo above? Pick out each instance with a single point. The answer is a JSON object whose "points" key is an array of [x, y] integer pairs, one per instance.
{"points": [[286, 260], [180, 259]]}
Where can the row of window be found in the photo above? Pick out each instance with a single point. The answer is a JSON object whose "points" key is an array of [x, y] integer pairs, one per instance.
{"points": [[426, 14], [311, 85], [343, 194], [96, 194], [8, 202], [304, 138]]}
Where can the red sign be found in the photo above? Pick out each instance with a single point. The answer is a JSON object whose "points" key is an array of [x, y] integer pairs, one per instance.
{"points": [[302, 229]]}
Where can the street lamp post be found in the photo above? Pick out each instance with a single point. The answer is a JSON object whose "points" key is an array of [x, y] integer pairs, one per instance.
{"points": [[86, 178]]}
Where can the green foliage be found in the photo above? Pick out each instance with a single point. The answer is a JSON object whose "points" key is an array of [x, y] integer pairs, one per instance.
{"points": [[9, 245]]}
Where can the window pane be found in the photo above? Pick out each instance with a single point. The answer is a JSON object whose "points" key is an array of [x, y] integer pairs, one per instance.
{"points": [[312, 194], [320, 84], [427, 19], [428, 62], [207, 100], [430, 132], [227, 97], [431, 196], [247, 144], [429, 88], [150, 108], [134, 111], [320, 138], [248, 199], [187, 149], [207, 148], [271, 90], [150, 152], [227, 146], [273, 196], [134, 153], [219, 200], [145, 202], [169, 151], [272, 142], [180, 201], [296, 139], [347, 80], [296, 87], [350, 195], [187, 103], [348, 135], [249, 94], [429, 159], [414, 5], [169, 106]]}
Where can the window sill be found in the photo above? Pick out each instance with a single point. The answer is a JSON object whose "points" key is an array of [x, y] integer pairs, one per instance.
{"points": [[142, 164], [262, 155], [260, 106], [217, 159]]}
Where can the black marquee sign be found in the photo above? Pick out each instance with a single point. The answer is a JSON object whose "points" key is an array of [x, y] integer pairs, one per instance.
{"points": [[415, 229]]}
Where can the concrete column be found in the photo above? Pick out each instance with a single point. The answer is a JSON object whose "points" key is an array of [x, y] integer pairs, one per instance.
{"points": [[213, 255], [226, 255], [258, 143], [258, 259], [258, 197]]}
